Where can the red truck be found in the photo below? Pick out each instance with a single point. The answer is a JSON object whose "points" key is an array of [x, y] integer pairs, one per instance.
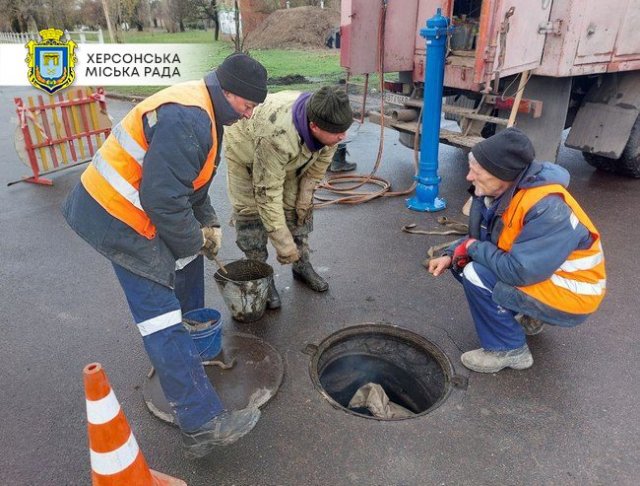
{"points": [[576, 64]]}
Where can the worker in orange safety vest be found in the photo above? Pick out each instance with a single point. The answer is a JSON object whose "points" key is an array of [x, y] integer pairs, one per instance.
{"points": [[143, 203], [532, 256]]}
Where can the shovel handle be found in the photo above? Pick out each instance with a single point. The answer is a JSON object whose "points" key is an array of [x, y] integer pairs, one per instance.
{"points": [[215, 258]]}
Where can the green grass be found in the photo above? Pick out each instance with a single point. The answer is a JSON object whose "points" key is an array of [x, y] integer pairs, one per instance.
{"points": [[320, 67], [163, 37]]}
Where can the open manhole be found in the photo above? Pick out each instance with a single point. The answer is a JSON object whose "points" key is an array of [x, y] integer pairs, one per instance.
{"points": [[413, 372]]}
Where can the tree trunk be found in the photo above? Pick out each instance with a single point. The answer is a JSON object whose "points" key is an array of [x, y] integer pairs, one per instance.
{"points": [[105, 7], [236, 16]]}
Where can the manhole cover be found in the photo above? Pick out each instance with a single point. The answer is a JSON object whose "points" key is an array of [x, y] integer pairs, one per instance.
{"points": [[413, 372], [255, 376]]}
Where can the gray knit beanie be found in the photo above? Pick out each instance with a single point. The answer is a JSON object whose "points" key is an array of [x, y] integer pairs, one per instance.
{"points": [[506, 154], [329, 108], [243, 76]]}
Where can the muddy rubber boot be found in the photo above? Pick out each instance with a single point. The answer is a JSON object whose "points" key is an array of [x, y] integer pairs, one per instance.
{"points": [[304, 272], [302, 269], [273, 298], [222, 430], [339, 162], [530, 325], [484, 361]]}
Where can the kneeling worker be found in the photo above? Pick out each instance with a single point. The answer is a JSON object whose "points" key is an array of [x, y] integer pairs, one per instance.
{"points": [[143, 203], [533, 256], [275, 159]]}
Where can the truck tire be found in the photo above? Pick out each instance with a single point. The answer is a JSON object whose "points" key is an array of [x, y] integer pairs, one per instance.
{"points": [[629, 162], [600, 162]]}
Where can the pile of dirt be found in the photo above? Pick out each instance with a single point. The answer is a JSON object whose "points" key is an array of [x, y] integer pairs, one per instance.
{"points": [[295, 28]]}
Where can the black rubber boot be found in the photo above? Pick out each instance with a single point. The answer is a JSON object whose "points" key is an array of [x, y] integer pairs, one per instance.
{"points": [[273, 298], [223, 429], [339, 162], [304, 272], [302, 269]]}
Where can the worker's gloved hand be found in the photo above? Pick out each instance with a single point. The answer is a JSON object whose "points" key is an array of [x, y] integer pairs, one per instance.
{"points": [[461, 256], [212, 241], [304, 201], [286, 249]]}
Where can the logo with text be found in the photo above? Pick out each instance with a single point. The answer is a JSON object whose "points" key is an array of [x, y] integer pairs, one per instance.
{"points": [[51, 61]]}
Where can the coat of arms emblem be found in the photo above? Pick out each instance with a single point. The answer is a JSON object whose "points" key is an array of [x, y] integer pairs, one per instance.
{"points": [[51, 61]]}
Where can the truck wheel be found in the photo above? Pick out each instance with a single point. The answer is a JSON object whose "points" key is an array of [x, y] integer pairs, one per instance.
{"points": [[629, 162], [630, 158], [601, 163]]}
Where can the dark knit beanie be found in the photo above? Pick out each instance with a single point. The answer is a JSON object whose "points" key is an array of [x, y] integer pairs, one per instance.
{"points": [[506, 154], [329, 108], [243, 76]]}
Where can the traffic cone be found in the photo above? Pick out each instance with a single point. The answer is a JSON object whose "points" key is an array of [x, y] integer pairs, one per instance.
{"points": [[116, 458]]}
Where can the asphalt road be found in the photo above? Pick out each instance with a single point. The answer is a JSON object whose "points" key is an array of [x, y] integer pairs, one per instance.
{"points": [[571, 419]]}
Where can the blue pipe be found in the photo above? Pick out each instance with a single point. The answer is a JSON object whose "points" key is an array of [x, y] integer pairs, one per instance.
{"points": [[426, 195]]}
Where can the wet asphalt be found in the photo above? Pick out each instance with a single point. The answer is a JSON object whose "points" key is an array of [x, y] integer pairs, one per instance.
{"points": [[571, 419]]}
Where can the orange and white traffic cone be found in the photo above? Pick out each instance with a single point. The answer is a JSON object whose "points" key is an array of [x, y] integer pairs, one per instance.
{"points": [[116, 458]]}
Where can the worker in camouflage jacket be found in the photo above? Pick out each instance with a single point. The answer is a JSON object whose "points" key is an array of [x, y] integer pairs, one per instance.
{"points": [[275, 159], [532, 256]]}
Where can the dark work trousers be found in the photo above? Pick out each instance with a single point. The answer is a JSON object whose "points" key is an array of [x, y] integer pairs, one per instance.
{"points": [[496, 326], [157, 310]]}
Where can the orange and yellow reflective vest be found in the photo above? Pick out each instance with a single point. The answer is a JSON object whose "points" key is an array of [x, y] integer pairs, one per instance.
{"points": [[579, 284], [114, 175]]}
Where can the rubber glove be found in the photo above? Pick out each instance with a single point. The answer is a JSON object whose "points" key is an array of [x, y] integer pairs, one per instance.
{"points": [[286, 249], [461, 255]]}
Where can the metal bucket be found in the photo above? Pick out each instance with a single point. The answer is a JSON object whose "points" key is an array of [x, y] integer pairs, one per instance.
{"points": [[205, 328], [244, 288]]}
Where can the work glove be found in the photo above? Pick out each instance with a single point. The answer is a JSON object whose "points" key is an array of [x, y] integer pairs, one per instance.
{"points": [[461, 256], [286, 249], [212, 237], [304, 201]]}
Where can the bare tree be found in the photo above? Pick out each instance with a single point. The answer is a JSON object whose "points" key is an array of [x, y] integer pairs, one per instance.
{"points": [[178, 12], [208, 10], [156, 11], [92, 14], [27, 15], [135, 12], [237, 39], [111, 12]]}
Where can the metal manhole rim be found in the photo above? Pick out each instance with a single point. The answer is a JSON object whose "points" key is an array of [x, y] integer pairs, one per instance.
{"points": [[385, 329]]}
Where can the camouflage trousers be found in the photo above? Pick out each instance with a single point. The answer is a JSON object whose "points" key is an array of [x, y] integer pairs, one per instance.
{"points": [[251, 236]]}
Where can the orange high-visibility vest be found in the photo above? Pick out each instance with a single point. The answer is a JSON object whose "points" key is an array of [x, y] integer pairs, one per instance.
{"points": [[114, 175], [579, 284]]}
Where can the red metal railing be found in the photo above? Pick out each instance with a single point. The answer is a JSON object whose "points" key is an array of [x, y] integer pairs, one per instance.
{"points": [[62, 132]]}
